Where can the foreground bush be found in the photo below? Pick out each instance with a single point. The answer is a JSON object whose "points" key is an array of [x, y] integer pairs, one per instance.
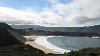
{"points": [[20, 50], [85, 52]]}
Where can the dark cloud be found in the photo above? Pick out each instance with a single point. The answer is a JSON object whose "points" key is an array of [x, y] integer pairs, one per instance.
{"points": [[84, 20]]}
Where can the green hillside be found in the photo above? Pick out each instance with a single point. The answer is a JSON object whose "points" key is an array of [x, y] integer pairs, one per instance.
{"points": [[6, 38]]}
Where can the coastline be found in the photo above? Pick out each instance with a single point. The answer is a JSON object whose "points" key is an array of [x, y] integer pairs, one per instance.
{"points": [[40, 42]]}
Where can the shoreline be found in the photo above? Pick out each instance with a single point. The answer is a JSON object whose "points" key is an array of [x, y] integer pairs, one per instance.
{"points": [[40, 42]]}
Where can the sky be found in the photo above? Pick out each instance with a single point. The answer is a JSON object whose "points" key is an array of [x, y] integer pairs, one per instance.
{"points": [[53, 13]]}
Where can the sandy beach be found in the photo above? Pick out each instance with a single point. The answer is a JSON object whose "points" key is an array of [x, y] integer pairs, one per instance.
{"points": [[40, 42]]}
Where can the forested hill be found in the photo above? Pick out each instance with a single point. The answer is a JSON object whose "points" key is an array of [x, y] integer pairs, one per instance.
{"points": [[86, 29], [11, 46], [5, 25], [7, 38]]}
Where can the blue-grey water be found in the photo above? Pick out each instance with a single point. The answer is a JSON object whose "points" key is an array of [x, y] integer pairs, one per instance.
{"points": [[74, 43]]}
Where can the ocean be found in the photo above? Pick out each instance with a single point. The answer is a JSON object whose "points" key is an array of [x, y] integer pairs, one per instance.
{"points": [[74, 43]]}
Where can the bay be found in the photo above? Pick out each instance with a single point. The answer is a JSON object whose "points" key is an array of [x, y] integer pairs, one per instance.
{"points": [[74, 43]]}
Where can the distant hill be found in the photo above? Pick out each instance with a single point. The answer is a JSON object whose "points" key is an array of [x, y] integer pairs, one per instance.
{"points": [[38, 27], [26, 26], [92, 29], [63, 29]]}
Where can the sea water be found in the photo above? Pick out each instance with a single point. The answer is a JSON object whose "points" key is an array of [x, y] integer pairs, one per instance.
{"points": [[74, 43]]}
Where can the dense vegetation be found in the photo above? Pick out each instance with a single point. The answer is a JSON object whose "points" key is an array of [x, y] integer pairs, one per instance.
{"points": [[20, 50], [31, 31], [5, 25], [10, 46], [81, 52], [6, 38], [26, 50], [85, 52], [87, 29]]}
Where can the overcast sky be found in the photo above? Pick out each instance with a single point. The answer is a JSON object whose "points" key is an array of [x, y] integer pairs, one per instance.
{"points": [[50, 12]]}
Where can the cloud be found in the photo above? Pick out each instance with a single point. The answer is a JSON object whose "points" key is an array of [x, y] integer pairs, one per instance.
{"points": [[19, 16], [51, 17], [14, 16], [76, 13], [79, 12]]}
